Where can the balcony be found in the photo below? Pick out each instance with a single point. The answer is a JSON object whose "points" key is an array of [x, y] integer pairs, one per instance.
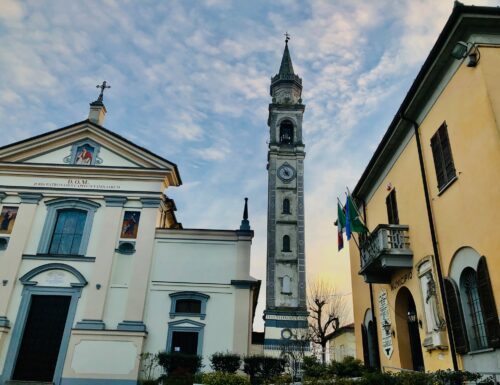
{"points": [[384, 251]]}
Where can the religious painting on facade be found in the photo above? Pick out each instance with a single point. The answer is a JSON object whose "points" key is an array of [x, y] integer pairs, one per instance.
{"points": [[7, 219], [130, 224], [84, 155]]}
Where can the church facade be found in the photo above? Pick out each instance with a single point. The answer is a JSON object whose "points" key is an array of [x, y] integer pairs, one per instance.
{"points": [[96, 269]]}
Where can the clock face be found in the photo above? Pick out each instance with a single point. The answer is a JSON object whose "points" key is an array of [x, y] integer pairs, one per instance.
{"points": [[286, 173], [286, 334]]}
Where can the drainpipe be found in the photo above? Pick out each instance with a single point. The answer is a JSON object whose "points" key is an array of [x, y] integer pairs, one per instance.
{"points": [[433, 238], [372, 304]]}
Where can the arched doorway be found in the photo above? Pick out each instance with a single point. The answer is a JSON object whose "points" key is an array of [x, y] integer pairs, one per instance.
{"points": [[407, 333]]}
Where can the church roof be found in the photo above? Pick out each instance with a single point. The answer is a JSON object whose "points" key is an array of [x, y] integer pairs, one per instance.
{"points": [[286, 67]]}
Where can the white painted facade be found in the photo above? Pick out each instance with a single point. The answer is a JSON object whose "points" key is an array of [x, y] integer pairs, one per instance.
{"points": [[119, 286]]}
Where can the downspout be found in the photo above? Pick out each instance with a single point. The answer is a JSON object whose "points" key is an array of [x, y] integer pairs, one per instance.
{"points": [[372, 305], [433, 238]]}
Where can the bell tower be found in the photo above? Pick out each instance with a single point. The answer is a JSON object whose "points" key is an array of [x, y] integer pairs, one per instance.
{"points": [[286, 308]]}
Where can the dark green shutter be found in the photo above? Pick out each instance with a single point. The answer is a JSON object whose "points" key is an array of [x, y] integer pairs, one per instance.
{"points": [[392, 208], [488, 304], [364, 337], [443, 160], [449, 167], [456, 317]]}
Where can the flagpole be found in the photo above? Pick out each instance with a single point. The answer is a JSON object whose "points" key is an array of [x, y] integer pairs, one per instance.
{"points": [[352, 235], [357, 210]]}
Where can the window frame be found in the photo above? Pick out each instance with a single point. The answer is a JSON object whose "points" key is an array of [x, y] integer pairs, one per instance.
{"points": [[189, 295], [392, 208], [286, 241], [53, 208]]}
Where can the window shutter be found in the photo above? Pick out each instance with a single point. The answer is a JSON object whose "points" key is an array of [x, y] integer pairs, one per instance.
{"points": [[438, 160], [392, 208], [449, 167], [488, 304], [456, 317]]}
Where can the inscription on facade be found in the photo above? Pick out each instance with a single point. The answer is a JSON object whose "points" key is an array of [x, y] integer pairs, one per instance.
{"points": [[400, 281], [385, 323], [78, 183]]}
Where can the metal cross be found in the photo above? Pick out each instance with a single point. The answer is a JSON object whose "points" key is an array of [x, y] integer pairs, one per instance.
{"points": [[287, 37], [103, 86]]}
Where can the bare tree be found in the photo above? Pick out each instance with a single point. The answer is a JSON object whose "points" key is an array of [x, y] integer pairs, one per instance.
{"points": [[327, 312]]}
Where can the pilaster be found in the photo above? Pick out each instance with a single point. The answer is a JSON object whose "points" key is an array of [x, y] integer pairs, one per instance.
{"points": [[12, 256], [100, 280]]}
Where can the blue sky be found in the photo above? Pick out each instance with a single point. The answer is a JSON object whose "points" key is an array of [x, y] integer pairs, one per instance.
{"points": [[190, 81]]}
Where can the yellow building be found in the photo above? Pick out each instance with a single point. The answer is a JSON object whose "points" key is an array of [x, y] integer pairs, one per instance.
{"points": [[430, 196]]}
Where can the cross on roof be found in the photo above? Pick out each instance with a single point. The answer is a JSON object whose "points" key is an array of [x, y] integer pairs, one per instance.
{"points": [[287, 37], [103, 86]]}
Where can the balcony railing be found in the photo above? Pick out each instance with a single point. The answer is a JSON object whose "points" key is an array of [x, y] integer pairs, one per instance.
{"points": [[385, 250]]}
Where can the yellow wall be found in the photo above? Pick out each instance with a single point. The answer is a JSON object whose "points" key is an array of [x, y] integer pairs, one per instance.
{"points": [[465, 213]]}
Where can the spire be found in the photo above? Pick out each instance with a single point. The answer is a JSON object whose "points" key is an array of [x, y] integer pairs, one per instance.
{"points": [[245, 224], [286, 67], [286, 74]]}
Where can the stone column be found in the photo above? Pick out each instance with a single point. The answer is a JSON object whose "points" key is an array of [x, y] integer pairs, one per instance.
{"points": [[99, 283], [141, 267], [12, 257]]}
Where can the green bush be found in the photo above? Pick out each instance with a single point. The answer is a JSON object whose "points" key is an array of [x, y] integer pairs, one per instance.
{"points": [[349, 367], [225, 362], [313, 369], [221, 378], [282, 379], [262, 368], [179, 368]]}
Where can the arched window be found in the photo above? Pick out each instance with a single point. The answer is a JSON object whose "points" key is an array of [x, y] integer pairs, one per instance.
{"points": [[286, 243], [67, 226], [472, 308], [286, 132], [286, 287], [286, 206], [188, 304], [68, 232]]}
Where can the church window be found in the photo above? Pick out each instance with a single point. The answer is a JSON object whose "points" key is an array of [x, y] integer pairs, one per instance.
{"points": [[286, 206], [188, 304], [68, 232], [286, 132], [67, 227], [286, 243]]}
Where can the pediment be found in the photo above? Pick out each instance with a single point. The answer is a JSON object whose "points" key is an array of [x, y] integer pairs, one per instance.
{"points": [[84, 144]]}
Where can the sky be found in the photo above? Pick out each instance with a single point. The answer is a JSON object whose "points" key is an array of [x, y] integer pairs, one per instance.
{"points": [[190, 82]]}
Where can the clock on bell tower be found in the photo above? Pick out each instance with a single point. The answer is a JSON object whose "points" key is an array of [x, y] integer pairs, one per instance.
{"points": [[286, 308]]}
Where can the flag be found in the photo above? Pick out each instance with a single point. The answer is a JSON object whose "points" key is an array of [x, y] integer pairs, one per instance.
{"points": [[340, 225], [353, 221]]}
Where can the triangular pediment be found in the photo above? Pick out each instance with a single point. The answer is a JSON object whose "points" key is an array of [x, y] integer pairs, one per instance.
{"points": [[85, 145]]}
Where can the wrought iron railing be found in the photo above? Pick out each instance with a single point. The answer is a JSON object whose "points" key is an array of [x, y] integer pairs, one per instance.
{"points": [[385, 239]]}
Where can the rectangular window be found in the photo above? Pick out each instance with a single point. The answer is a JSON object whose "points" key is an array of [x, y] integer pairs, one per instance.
{"points": [[443, 160], [184, 342], [68, 232], [392, 208]]}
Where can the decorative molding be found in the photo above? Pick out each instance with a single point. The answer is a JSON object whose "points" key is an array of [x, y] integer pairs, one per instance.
{"points": [[52, 257], [32, 198], [194, 326], [151, 202], [126, 247], [192, 295], [26, 278], [2, 196], [4, 242], [114, 201], [50, 221], [4, 322], [90, 324], [244, 283], [132, 326]]}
